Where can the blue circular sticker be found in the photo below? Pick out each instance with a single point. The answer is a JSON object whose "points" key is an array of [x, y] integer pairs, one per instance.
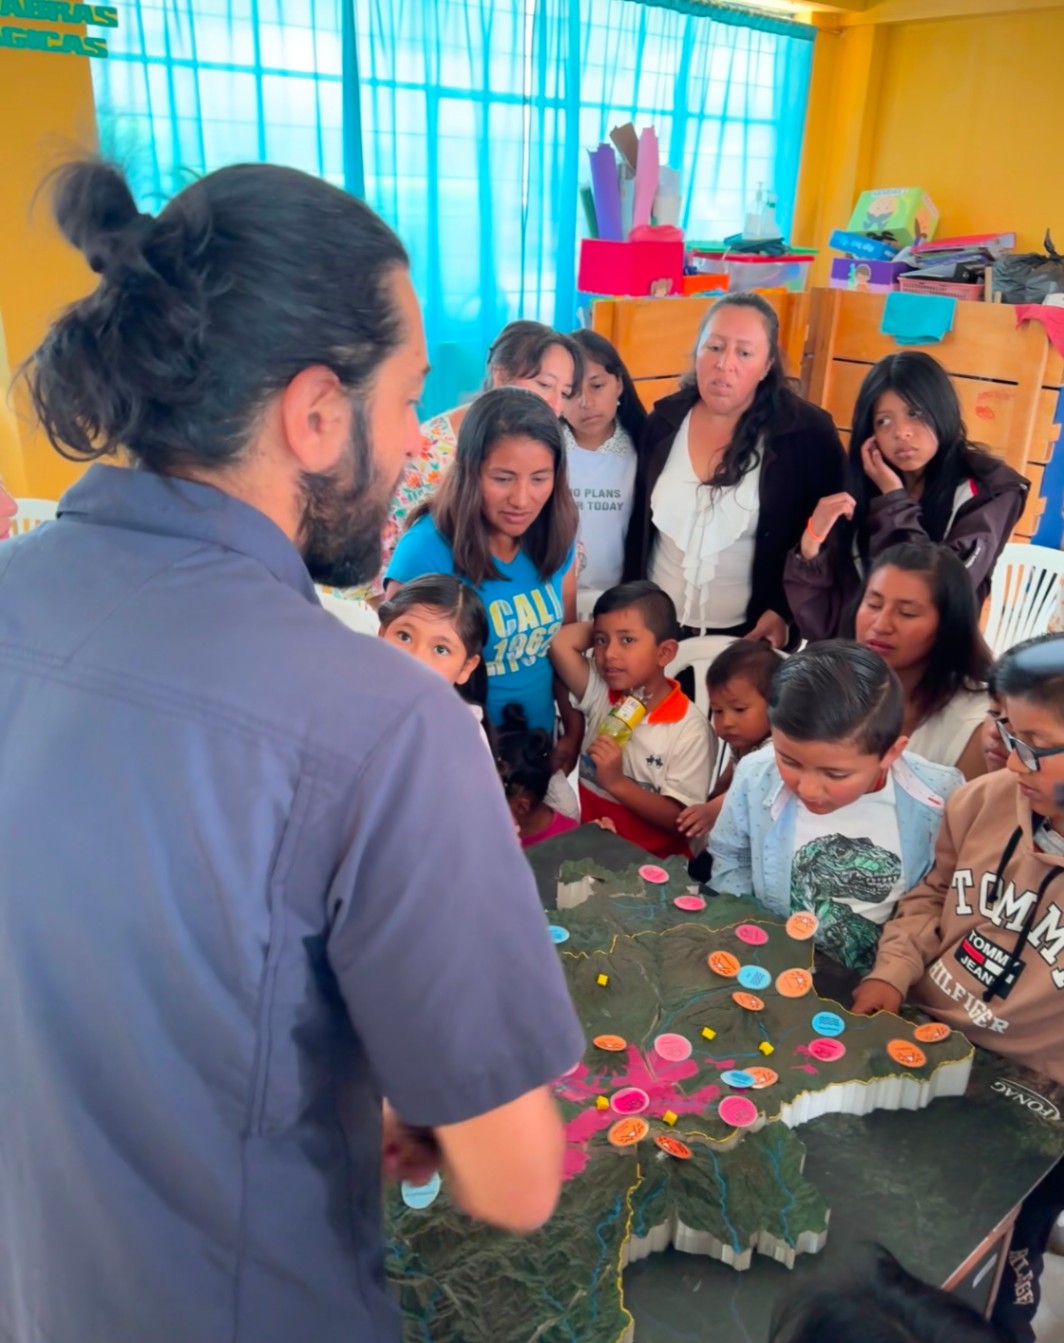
{"points": [[828, 1023], [558, 933], [420, 1196], [754, 977], [736, 1078]]}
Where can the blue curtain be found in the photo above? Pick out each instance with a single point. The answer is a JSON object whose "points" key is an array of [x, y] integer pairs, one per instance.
{"points": [[465, 123]]}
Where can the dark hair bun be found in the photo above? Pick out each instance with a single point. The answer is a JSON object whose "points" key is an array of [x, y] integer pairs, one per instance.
{"points": [[95, 211]]}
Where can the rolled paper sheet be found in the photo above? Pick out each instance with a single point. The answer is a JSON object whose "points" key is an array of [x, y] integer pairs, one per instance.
{"points": [[627, 203], [667, 210], [668, 181], [587, 200], [646, 177], [607, 193], [627, 142]]}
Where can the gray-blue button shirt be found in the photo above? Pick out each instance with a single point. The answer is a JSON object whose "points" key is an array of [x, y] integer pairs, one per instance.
{"points": [[255, 872]]}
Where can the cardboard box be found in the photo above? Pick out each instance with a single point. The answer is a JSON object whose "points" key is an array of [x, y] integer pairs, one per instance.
{"points": [[868, 277], [903, 214], [629, 268], [867, 249]]}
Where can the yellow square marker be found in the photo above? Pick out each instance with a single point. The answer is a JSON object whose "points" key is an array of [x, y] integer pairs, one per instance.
{"points": [[601, 1103], [708, 1033], [602, 981], [766, 1048], [669, 1118]]}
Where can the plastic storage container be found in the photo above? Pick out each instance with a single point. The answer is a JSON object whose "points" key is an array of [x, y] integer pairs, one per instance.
{"points": [[769, 272]]}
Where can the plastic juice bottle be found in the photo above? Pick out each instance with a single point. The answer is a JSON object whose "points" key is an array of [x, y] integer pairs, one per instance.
{"points": [[623, 719]]}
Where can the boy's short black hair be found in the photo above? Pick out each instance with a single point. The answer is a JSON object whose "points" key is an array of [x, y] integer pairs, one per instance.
{"points": [[1034, 670], [838, 691], [755, 660], [653, 604]]}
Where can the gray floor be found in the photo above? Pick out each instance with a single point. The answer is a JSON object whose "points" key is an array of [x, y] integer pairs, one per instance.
{"points": [[1049, 1326]]}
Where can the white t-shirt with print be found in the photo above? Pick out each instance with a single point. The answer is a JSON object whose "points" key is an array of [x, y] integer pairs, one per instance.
{"points": [[670, 758], [603, 486], [846, 867]]}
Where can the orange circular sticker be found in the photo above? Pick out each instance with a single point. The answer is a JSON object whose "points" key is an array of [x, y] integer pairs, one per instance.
{"points": [[763, 1077], [627, 1132], [794, 983], [906, 1053], [802, 926], [931, 1033], [723, 963], [750, 1001], [612, 1043], [673, 1146]]}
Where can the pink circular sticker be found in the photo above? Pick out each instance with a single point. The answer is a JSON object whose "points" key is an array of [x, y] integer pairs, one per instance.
{"points": [[827, 1051], [751, 934], [737, 1111], [675, 1048], [629, 1101], [689, 902], [658, 875]]}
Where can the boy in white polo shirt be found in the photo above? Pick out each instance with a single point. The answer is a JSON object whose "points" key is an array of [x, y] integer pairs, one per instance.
{"points": [[664, 766]]}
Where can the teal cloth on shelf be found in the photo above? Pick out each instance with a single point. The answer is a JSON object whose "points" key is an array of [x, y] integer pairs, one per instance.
{"points": [[918, 319]]}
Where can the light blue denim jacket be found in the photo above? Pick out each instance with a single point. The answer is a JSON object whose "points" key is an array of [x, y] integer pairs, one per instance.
{"points": [[752, 843]]}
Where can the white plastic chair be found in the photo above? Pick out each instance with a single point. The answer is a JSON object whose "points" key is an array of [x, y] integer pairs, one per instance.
{"points": [[356, 615], [697, 654], [1025, 595], [31, 513], [585, 601]]}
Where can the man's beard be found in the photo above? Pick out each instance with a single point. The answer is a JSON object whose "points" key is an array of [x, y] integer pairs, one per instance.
{"points": [[343, 514]]}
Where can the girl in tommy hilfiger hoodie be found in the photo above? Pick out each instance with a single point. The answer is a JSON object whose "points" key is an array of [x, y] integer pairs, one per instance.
{"points": [[979, 943]]}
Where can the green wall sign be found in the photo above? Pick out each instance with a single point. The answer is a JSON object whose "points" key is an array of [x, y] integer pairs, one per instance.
{"points": [[52, 39]]}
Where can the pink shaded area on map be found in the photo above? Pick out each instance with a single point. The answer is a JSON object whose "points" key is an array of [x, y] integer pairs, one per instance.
{"points": [[659, 1078]]}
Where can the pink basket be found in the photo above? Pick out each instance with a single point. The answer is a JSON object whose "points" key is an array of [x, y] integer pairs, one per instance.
{"points": [[967, 293]]}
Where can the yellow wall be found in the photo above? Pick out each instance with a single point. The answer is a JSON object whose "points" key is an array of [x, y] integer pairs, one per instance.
{"points": [[965, 107], [47, 114]]}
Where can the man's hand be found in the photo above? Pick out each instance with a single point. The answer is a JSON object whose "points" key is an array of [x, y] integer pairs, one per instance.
{"points": [[608, 759], [407, 1153], [875, 995]]}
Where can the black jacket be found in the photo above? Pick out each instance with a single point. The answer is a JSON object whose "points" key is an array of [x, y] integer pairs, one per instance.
{"points": [[821, 590], [803, 461]]}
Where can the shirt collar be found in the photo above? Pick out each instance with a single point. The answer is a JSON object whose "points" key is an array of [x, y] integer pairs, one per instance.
{"points": [[142, 501]]}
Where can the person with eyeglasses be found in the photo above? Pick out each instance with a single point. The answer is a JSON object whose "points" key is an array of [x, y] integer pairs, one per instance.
{"points": [[979, 943]]}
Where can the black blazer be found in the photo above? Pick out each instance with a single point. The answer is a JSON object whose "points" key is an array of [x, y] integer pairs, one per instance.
{"points": [[803, 461]]}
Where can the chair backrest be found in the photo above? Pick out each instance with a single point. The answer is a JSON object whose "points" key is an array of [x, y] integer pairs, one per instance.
{"points": [[697, 654], [585, 601], [356, 615], [31, 513], [1025, 595]]}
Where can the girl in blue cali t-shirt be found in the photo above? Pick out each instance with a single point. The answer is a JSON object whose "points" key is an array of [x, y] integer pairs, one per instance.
{"points": [[504, 520]]}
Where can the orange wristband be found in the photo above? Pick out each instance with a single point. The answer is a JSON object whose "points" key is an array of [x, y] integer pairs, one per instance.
{"points": [[818, 539]]}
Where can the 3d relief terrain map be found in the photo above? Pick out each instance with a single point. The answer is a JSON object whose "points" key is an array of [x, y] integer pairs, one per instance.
{"points": [[707, 1048]]}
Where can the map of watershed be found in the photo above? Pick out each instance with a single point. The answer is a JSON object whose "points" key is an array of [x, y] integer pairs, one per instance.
{"points": [[728, 1185]]}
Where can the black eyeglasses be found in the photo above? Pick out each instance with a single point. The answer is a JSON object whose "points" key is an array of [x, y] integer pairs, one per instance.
{"points": [[1028, 756]]}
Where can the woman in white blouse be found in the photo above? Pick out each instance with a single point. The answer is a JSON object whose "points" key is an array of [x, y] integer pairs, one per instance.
{"points": [[728, 468]]}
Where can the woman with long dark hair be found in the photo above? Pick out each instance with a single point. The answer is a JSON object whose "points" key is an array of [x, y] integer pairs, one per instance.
{"points": [[602, 423], [913, 476], [916, 609], [730, 468], [525, 354], [504, 521]]}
